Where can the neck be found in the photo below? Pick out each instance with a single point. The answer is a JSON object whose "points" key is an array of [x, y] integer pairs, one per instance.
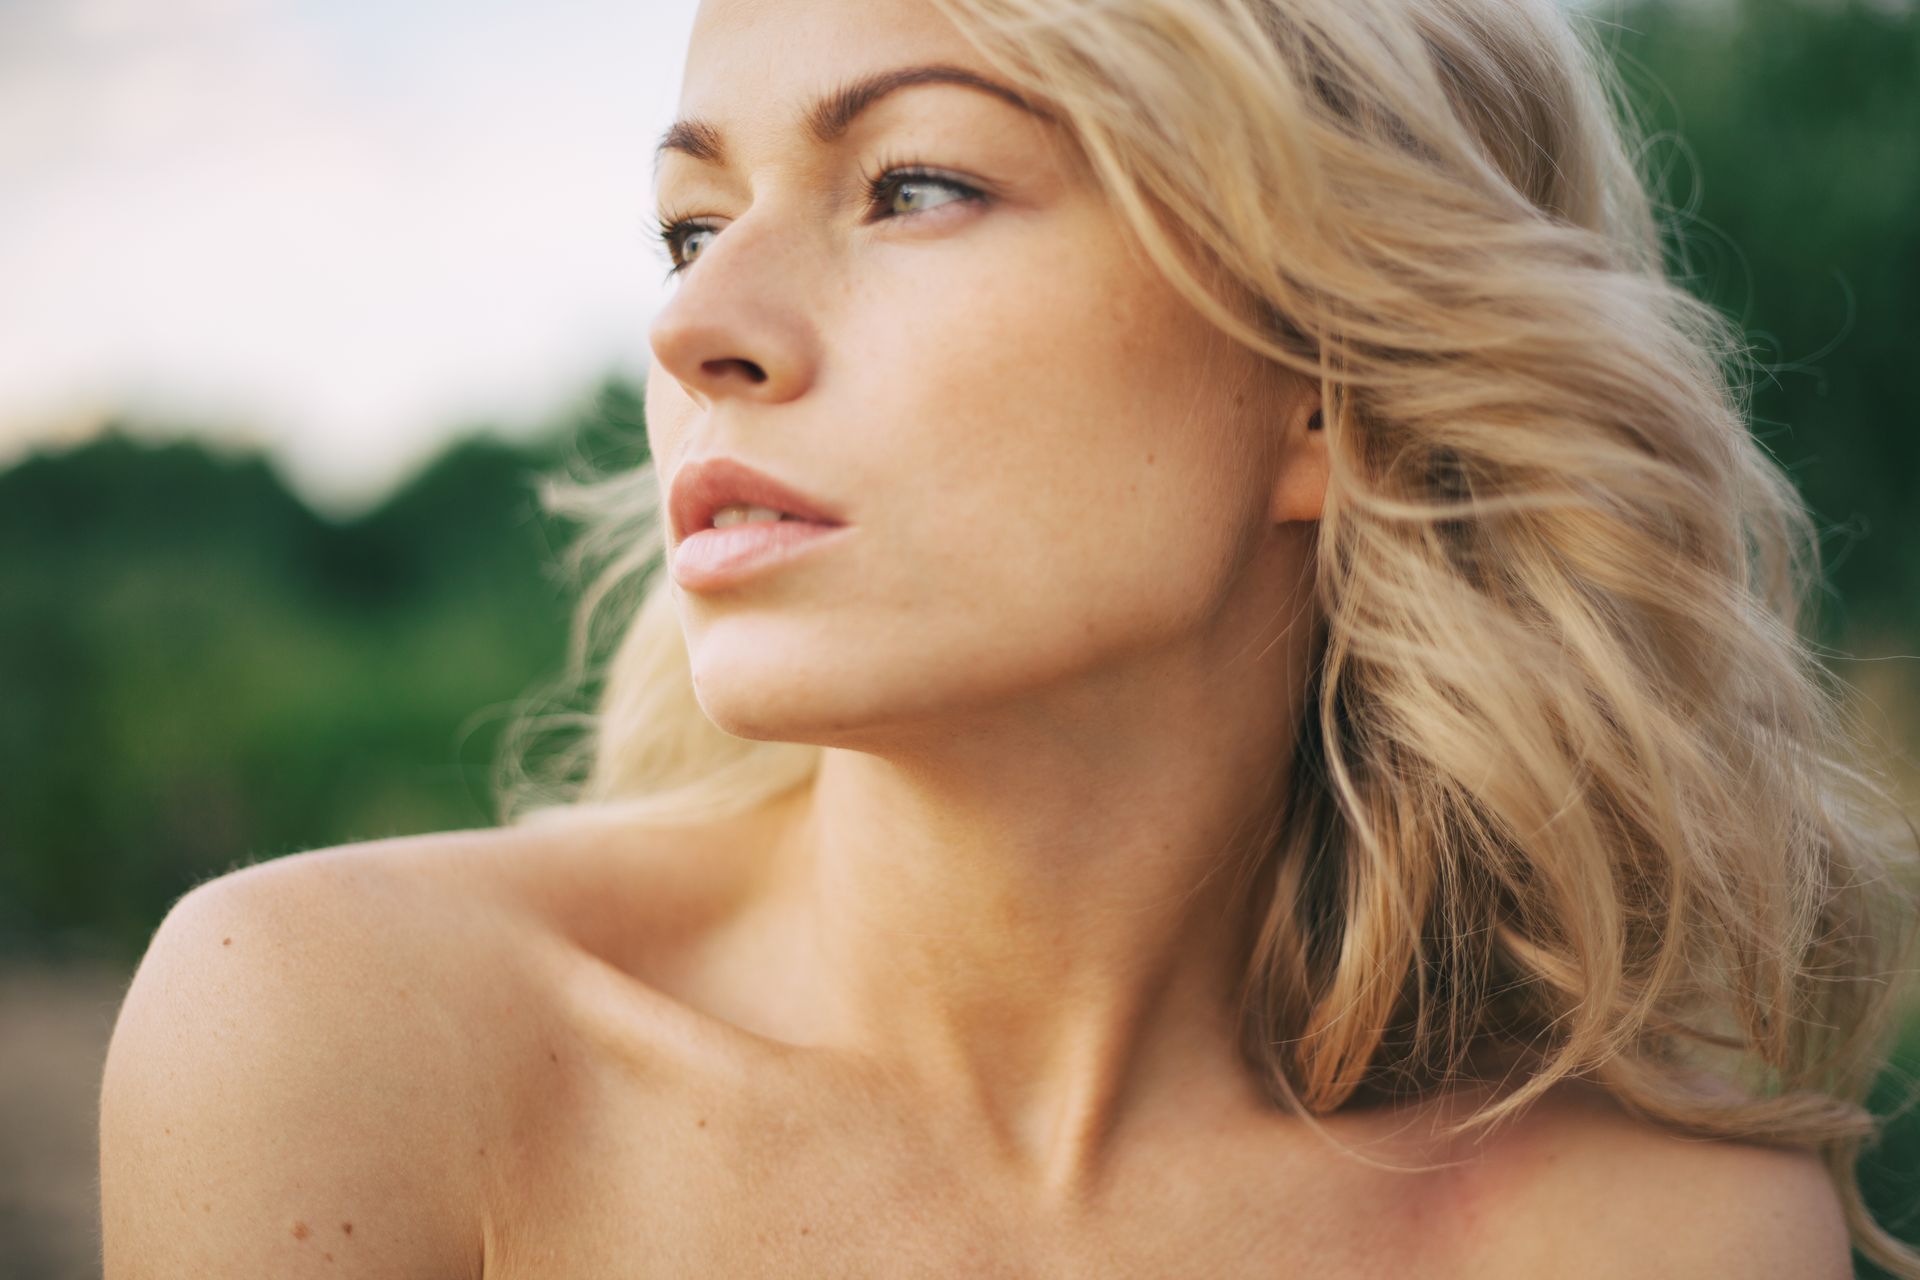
{"points": [[1043, 923]]}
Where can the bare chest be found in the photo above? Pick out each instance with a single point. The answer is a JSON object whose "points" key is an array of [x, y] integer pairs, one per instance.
{"points": [[720, 1185]]}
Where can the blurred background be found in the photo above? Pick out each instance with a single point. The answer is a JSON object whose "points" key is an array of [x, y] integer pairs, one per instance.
{"points": [[298, 299]]}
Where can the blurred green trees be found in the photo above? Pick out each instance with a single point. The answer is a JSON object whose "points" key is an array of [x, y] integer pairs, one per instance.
{"points": [[1788, 133], [199, 672]]}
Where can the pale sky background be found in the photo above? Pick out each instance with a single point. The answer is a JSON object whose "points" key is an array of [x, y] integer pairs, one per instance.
{"points": [[337, 228]]}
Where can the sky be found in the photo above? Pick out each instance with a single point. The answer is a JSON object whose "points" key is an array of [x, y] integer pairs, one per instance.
{"points": [[338, 230]]}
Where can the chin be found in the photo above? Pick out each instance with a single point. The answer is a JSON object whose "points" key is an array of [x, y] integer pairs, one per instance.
{"points": [[838, 697], [780, 692]]}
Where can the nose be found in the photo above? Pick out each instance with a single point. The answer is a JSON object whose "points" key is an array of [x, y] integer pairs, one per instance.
{"points": [[739, 323]]}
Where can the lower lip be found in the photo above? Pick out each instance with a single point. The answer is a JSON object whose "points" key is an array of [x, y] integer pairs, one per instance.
{"points": [[714, 558]]}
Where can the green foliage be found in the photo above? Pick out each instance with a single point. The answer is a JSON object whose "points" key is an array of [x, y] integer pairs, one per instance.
{"points": [[200, 672], [1789, 135]]}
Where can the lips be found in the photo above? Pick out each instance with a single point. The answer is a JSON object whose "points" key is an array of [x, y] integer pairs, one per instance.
{"points": [[704, 485]]}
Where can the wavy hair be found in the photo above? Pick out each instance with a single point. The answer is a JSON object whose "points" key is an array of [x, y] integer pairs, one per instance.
{"points": [[1571, 783]]}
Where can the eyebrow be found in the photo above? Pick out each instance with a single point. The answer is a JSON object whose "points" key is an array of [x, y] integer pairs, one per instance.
{"points": [[829, 118]]}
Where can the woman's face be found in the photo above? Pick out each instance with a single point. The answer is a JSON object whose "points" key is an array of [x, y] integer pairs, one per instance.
{"points": [[1053, 467]]}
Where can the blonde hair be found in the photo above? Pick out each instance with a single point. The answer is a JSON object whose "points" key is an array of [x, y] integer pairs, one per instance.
{"points": [[1571, 782]]}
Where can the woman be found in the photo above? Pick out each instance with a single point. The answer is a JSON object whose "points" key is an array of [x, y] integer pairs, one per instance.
{"points": [[1223, 700]]}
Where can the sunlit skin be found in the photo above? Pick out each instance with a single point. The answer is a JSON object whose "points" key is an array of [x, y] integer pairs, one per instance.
{"points": [[961, 1006], [1056, 661]]}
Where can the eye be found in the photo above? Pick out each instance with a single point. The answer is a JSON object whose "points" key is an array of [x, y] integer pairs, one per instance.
{"points": [[908, 185], [914, 182], [673, 234]]}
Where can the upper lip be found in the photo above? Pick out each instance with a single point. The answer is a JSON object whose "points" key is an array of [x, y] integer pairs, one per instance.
{"points": [[704, 485]]}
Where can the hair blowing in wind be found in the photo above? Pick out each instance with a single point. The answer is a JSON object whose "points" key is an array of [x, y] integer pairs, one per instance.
{"points": [[1572, 787]]}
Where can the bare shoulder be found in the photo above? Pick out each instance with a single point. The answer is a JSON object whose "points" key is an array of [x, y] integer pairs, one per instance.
{"points": [[293, 1082], [1587, 1189], [329, 1058]]}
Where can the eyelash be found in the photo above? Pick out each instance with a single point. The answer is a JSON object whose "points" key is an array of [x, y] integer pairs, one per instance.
{"points": [[671, 229]]}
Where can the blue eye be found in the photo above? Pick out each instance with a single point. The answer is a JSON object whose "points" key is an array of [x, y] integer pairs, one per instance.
{"points": [[673, 235], [898, 181], [882, 190]]}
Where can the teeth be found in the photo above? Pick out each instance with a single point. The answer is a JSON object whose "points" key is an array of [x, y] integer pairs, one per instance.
{"points": [[739, 513]]}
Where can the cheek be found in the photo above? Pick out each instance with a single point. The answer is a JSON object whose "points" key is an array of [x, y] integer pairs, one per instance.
{"points": [[1057, 425]]}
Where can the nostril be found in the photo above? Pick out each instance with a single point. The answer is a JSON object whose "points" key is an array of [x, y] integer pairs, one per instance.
{"points": [[753, 371]]}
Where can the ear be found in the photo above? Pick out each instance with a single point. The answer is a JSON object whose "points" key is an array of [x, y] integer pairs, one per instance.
{"points": [[1300, 473]]}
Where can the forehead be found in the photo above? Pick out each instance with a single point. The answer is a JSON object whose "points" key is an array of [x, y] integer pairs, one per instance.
{"points": [[784, 80], [751, 58]]}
